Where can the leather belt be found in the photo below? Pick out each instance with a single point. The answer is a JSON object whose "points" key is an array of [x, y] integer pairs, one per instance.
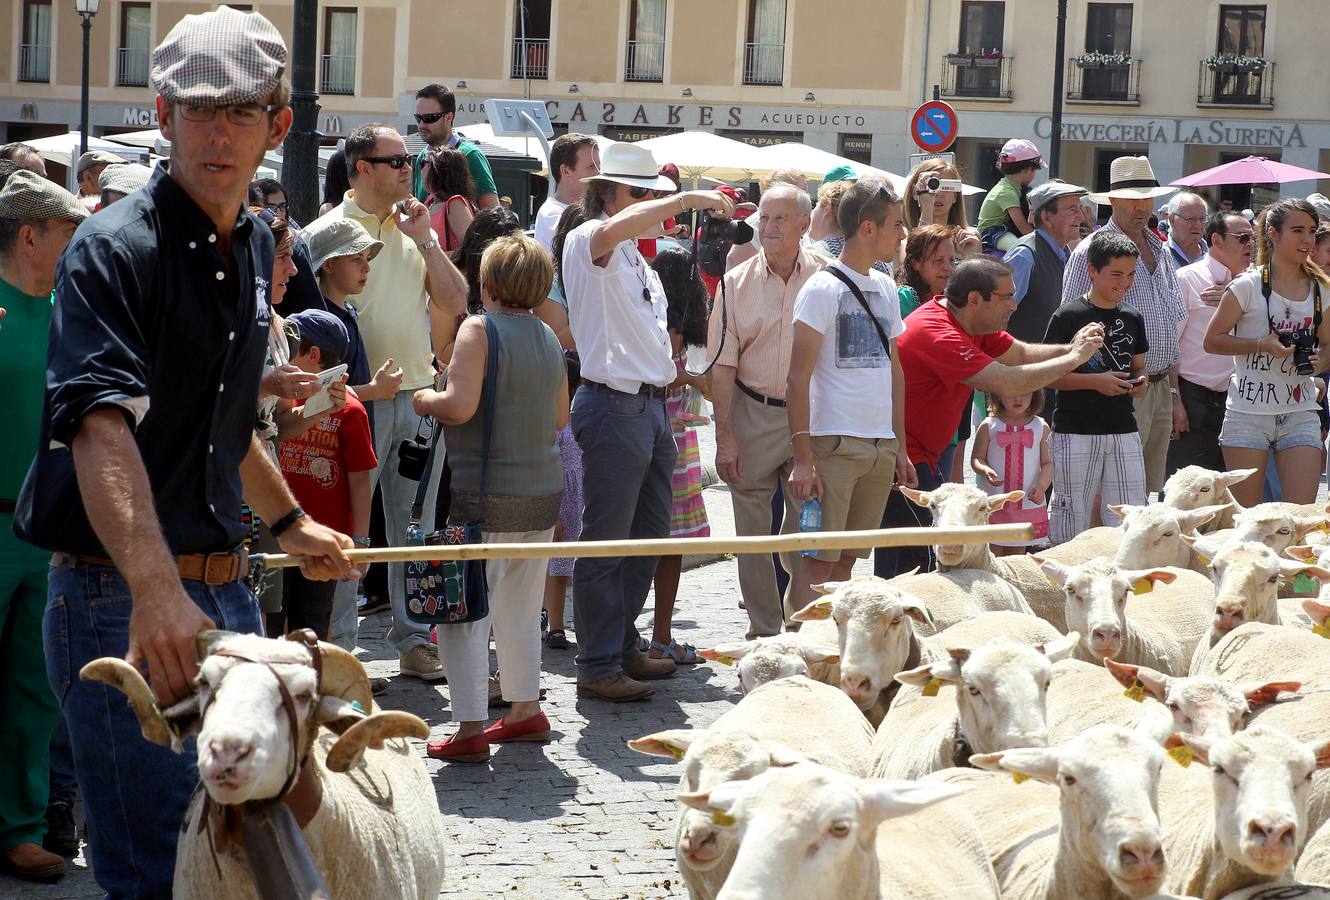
{"points": [[760, 398], [1158, 376], [212, 569], [8, 506], [649, 390]]}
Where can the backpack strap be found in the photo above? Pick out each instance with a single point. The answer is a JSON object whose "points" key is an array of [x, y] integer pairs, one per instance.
{"points": [[858, 295]]}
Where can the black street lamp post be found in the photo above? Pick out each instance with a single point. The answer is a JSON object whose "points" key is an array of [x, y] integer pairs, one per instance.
{"points": [[1059, 49], [86, 10], [300, 166]]}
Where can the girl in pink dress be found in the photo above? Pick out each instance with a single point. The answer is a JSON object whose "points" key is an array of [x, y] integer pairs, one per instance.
{"points": [[1011, 454]]}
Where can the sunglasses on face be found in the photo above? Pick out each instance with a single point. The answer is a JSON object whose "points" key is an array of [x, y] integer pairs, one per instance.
{"points": [[394, 162], [1244, 239], [637, 193], [238, 114], [880, 192], [429, 118]]}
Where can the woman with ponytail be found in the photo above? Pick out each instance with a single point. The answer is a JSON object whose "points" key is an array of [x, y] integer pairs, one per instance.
{"points": [[1272, 320]]}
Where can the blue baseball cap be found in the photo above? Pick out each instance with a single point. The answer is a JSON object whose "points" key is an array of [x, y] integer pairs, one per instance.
{"points": [[323, 330]]}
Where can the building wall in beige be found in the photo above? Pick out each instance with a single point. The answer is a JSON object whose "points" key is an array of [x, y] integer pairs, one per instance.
{"points": [[861, 45], [67, 64], [705, 45], [376, 69], [585, 43], [462, 36]]}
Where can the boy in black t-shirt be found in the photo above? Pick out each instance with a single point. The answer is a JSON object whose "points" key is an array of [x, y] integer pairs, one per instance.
{"points": [[1095, 446]]}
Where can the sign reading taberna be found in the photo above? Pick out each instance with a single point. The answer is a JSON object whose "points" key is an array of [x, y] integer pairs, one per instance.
{"points": [[934, 126]]}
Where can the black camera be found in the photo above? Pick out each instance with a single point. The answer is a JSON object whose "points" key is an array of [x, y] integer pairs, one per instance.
{"points": [[413, 453], [714, 239], [1303, 342]]}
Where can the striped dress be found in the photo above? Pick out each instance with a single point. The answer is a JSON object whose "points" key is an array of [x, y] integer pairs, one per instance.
{"points": [[688, 517]]}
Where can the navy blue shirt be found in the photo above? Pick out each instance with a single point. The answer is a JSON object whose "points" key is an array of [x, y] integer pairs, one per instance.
{"points": [[152, 319]]}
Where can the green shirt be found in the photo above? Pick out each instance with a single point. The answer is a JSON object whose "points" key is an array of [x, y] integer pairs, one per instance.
{"points": [[1004, 195], [24, 332], [475, 161], [909, 300]]}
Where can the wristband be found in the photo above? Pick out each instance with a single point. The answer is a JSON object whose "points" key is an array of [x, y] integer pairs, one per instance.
{"points": [[281, 525], [428, 245], [797, 433]]}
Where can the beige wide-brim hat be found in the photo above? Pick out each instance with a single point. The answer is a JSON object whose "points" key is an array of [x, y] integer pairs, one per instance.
{"points": [[632, 165], [337, 237], [1132, 178]]}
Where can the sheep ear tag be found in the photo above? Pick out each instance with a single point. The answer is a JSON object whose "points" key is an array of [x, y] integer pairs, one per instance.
{"points": [[1323, 629], [1142, 586], [721, 818], [675, 752], [1182, 755], [725, 660], [1019, 778], [1135, 692], [933, 686], [1305, 584]]}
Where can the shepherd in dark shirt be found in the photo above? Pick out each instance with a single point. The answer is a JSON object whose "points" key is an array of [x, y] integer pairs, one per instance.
{"points": [[1095, 445], [157, 342]]}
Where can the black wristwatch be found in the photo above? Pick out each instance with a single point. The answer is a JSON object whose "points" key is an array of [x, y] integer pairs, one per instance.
{"points": [[286, 521]]}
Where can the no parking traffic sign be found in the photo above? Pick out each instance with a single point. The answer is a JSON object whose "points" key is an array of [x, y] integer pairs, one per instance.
{"points": [[934, 126]]}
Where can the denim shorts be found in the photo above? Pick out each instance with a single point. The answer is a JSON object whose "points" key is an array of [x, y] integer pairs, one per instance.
{"points": [[1256, 431]]}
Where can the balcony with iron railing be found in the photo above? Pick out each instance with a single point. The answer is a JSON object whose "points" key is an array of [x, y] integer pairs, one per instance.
{"points": [[645, 61], [764, 63], [1104, 78], [531, 58], [976, 77], [131, 67], [338, 74], [1241, 81], [34, 62]]}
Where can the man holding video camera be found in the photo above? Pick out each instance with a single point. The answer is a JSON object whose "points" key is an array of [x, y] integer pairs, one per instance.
{"points": [[617, 311]]}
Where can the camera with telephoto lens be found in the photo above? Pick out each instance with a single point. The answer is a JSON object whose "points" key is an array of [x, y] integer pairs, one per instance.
{"points": [[933, 184], [714, 239], [1303, 342]]}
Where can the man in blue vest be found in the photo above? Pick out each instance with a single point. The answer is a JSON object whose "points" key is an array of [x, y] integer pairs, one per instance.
{"points": [[1038, 259]]}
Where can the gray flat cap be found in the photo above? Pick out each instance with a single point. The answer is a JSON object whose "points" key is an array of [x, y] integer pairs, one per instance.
{"points": [[219, 58], [338, 237], [1051, 190], [28, 196], [125, 178], [96, 158], [1321, 205]]}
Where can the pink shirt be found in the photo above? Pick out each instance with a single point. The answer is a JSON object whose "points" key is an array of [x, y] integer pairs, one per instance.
{"points": [[1209, 370]]}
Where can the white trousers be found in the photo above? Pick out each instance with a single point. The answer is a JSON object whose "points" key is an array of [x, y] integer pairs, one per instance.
{"points": [[516, 591]]}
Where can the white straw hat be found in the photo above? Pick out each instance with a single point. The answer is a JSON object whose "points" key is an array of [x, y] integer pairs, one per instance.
{"points": [[1132, 178], [632, 165]]}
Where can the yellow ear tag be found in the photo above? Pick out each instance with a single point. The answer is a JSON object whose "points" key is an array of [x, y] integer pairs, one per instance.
{"points": [[1305, 584], [1142, 586], [1135, 692], [1205, 560], [675, 752], [1323, 629], [1182, 755], [931, 689], [1324, 528], [725, 660], [721, 818], [1018, 777]]}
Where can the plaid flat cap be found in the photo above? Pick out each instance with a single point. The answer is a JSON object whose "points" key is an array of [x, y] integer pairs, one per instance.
{"points": [[125, 178], [96, 158], [30, 197], [219, 58]]}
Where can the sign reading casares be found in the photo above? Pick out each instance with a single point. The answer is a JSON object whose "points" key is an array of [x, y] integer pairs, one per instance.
{"points": [[1177, 131]]}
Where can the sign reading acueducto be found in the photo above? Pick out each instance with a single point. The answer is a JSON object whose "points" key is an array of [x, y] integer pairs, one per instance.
{"points": [[934, 126]]}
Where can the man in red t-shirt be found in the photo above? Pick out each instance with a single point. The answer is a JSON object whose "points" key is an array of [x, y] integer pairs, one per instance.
{"points": [[952, 345], [329, 469]]}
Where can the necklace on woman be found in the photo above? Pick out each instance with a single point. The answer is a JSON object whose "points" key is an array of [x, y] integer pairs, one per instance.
{"points": [[637, 270]]}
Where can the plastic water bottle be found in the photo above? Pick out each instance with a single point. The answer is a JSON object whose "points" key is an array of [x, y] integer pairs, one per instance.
{"points": [[810, 520]]}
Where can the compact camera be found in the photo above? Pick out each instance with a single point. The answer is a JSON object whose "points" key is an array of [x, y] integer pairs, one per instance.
{"points": [[413, 453], [933, 184], [1303, 342]]}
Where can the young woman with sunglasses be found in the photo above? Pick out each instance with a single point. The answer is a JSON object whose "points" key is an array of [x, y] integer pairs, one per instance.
{"points": [[1272, 320]]}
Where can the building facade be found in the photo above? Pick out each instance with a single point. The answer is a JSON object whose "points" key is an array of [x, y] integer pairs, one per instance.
{"points": [[1191, 83]]}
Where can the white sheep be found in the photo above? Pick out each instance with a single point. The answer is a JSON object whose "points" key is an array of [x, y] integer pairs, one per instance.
{"points": [[976, 700], [1276, 525], [1087, 826], [1192, 487], [781, 723], [814, 833], [1168, 613], [765, 659], [1314, 863], [1083, 695], [1239, 818], [1152, 536], [1254, 650], [376, 830], [1246, 578]]}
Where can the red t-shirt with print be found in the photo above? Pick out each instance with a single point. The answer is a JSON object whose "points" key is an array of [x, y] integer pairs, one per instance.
{"points": [[316, 464], [937, 355]]}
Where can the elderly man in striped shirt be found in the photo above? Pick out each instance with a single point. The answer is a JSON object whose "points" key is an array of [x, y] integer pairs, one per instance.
{"points": [[752, 324]]}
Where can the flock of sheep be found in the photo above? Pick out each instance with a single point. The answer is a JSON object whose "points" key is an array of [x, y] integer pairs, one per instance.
{"points": [[1138, 712]]}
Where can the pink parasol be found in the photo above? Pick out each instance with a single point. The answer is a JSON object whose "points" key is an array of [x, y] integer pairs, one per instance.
{"points": [[1250, 170]]}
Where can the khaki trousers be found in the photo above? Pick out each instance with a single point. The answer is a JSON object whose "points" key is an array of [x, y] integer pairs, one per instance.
{"points": [[1154, 422], [762, 434]]}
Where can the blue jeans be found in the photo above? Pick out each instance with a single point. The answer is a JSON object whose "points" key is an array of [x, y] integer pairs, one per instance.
{"points": [[628, 454], [134, 793], [64, 781], [888, 562]]}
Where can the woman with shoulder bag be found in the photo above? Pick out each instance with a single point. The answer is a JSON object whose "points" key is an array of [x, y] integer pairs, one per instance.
{"points": [[514, 492], [452, 197]]}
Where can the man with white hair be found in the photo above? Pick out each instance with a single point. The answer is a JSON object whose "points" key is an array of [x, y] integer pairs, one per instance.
{"points": [[749, 337], [1186, 215]]}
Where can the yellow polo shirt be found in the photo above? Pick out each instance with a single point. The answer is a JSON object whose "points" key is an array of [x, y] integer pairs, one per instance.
{"points": [[393, 317]]}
